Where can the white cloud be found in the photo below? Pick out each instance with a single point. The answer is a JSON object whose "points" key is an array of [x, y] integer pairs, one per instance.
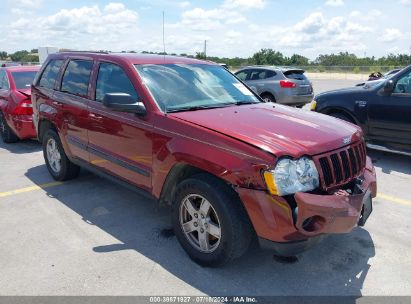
{"points": [[28, 3], [244, 4], [390, 35], [405, 2], [84, 27], [334, 2], [184, 4], [200, 19]]}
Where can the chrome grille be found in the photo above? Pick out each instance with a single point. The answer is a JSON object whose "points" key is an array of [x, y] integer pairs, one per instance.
{"points": [[341, 166]]}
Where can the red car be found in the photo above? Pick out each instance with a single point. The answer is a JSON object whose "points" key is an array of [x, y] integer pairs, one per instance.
{"points": [[15, 103], [190, 134]]}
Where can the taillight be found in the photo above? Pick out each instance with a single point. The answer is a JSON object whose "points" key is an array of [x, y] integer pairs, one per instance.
{"points": [[287, 84], [23, 108]]}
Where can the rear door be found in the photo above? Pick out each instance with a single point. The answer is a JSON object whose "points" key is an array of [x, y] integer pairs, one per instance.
{"points": [[119, 143], [71, 104], [390, 116], [261, 80]]}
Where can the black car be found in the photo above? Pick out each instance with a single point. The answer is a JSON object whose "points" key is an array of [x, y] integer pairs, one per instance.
{"points": [[381, 108]]}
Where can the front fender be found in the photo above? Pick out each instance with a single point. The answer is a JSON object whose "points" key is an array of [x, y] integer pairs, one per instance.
{"points": [[235, 162]]}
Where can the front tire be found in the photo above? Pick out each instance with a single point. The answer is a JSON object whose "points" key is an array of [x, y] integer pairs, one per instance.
{"points": [[210, 221], [268, 97], [7, 134], [58, 164]]}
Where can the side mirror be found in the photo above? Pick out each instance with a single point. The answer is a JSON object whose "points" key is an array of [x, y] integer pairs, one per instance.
{"points": [[389, 86], [123, 102]]}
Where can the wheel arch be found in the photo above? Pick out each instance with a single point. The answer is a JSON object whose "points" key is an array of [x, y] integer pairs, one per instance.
{"points": [[44, 125], [331, 110], [268, 93], [177, 174]]}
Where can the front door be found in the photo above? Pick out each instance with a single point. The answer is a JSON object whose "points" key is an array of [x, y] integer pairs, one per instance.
{"points": [[119, 143], [390, 116]]}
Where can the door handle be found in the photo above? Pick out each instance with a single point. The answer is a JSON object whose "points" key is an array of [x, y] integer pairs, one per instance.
{"points": [[92, 115]]}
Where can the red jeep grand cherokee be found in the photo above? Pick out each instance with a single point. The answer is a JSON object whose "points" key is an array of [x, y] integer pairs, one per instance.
{"points": [[15, 103], [190, 134]]}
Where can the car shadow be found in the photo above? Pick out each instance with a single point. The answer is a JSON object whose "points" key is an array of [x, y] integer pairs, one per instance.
{"points": [[337, 266], [22, 146], [389, 162]]}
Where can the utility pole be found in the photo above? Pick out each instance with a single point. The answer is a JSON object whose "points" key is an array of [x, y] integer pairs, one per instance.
{"points": [[205, 49], [164, 40]]}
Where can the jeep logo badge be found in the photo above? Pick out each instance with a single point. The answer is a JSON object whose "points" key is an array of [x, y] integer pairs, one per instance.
{"points": [[346, 140]]}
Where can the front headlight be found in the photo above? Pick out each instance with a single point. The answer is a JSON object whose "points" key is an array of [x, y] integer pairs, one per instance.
{"points": [[313, 105], [291, 176]]}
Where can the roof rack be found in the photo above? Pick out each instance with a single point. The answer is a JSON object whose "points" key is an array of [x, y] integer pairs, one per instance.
{"points": [[96, 52]]}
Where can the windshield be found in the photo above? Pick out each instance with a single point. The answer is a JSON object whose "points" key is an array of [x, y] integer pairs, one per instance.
{"points": [[179, 87], [23, 80]]}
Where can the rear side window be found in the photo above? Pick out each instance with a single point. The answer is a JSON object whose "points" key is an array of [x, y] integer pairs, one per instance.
{"points": [[4, 83], [112, 79], [23, 80], [76, 77], [49, 76], [269, 74], [297, 75]]}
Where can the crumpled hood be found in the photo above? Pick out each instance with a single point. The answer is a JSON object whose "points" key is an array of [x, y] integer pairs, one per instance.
{"points": [[280, 130]]}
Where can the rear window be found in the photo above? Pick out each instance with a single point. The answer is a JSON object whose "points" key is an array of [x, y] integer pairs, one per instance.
{"points": [[76, 77], [49, 76], [297, 75], [23, 80]]}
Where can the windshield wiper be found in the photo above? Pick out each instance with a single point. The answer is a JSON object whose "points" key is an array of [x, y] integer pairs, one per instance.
{"points": [[244, 102], [195, 108]]}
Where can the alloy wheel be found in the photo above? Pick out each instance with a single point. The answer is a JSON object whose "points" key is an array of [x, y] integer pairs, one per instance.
{"points": [[200, 224], [53, 155]]}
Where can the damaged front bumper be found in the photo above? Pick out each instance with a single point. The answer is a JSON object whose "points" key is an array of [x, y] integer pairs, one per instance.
{"points": [[288, 229]]}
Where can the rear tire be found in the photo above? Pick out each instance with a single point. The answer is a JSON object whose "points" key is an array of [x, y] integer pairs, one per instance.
{"points": [[209, 221], [58, 164], [268, 97], [342, 116], [7, 134]]}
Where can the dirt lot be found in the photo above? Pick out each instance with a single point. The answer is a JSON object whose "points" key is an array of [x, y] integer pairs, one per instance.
{"points": [[91, 237]]}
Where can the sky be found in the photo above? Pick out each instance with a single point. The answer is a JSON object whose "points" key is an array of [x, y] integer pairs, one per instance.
{"points": [[233, 28]]}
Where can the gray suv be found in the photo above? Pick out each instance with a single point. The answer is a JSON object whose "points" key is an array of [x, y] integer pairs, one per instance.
{"points": [[283, 85]]}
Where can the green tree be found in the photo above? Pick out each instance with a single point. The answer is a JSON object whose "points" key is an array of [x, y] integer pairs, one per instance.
{"points": [[17, 56], [297, 60], [3, 55], [268, 57]]}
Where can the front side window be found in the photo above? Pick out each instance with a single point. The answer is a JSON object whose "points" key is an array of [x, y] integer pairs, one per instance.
{"points": [[182, 87], [50, 73], [112, 79], [403, 84], [23, 80], [76, 77], [242, 75]]}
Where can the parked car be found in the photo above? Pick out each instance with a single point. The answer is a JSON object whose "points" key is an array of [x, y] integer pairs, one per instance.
{"points": [[15, 103], [287, 86], [379, 77], [381, 108], [188, 133]]}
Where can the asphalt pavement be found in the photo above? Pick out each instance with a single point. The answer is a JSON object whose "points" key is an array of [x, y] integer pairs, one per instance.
{"points": [[91, 237]]}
